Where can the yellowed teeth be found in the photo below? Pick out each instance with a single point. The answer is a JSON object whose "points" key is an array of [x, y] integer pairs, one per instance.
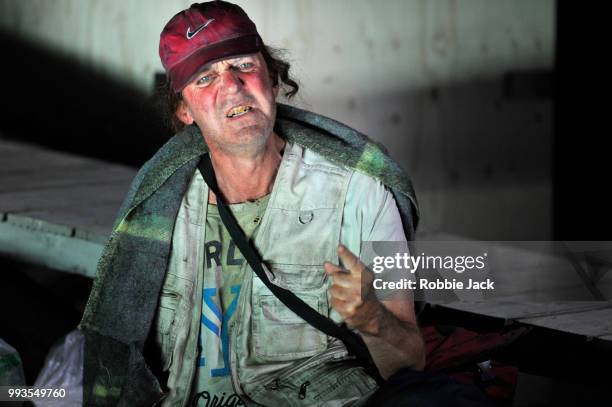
{"points": [[237, 111]]}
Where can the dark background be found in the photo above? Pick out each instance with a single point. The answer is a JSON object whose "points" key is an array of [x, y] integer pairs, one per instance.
{"points": [[582, 125], [55, 101]]}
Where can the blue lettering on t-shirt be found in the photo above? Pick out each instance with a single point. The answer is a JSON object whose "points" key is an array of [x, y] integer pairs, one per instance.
{"points": [[223, 331]]}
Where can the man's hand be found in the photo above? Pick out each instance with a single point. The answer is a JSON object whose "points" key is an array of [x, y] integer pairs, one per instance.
{"points": [[352, 293], [388, 328]]}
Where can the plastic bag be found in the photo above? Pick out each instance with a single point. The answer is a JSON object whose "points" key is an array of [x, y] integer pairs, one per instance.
{"points": [[63, 369], [11, 368]]}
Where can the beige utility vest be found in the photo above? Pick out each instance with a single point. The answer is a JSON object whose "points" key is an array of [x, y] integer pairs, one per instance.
{"points": [[276, 358]]}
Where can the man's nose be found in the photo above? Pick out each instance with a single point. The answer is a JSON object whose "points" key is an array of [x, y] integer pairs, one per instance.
{"points": [[231, 81]]}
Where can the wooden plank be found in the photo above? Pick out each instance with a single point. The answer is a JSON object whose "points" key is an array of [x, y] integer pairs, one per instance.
{"points": [[92, 173], [98, 232], [51, 250], [97, 218], [594, 323], [523, 271], [585, 318], [38, 158], [62, 198], [56, 208], [77, 194], [38, 225], [513, 310]]}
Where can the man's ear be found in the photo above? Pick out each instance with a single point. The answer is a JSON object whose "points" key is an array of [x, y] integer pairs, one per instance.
{"points": [[183, 113]]}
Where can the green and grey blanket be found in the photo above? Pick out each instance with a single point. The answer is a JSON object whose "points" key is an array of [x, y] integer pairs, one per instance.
{"points": [[131, 270]]}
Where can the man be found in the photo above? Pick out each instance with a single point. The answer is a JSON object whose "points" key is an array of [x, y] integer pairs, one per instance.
{"points": [[306, 191]]}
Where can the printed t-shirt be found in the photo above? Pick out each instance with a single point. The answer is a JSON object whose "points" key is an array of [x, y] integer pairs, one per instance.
{"points": [[224, 272]]}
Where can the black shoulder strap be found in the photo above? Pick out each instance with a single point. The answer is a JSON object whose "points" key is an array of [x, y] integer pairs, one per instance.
{"points": [[353, 342]]}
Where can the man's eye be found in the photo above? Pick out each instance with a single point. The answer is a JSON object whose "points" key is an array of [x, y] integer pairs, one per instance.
{"points": [[246, 66], [205, 80]]}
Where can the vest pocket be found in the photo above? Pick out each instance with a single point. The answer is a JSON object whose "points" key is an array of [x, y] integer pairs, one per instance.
{"points": [[329, 377], [280, 335], [297, 277]]}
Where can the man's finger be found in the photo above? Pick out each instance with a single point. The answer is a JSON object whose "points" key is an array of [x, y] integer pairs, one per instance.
{"points": [[332, 269], [344, 308], [349, 260], [340, 293]]}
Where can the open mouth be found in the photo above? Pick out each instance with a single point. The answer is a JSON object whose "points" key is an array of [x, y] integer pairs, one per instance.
{"points": [[238, 111]]}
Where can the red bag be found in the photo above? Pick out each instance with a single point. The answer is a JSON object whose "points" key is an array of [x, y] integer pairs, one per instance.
{"points": [[466, 357]]}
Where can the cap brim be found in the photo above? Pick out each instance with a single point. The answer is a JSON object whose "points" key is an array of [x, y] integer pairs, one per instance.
{"points": [[183, 72]]}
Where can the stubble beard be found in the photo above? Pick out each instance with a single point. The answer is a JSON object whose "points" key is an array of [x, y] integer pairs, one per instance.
{"points": [[251, 139]]}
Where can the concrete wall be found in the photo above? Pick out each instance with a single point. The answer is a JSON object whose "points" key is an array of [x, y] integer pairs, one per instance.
{"points": [[428, 78]]}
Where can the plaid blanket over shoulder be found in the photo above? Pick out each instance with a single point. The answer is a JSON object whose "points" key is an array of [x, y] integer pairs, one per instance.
{"points": [[130, 272]]}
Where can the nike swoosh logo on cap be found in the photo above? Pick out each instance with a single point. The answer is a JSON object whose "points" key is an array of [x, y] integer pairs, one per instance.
{"points": [[191, 34]]}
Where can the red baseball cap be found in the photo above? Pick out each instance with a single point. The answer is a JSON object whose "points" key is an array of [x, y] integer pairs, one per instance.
{"points": [[203, 33]]}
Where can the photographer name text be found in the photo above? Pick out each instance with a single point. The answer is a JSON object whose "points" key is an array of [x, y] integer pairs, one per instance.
{"points": [[437, 284]]}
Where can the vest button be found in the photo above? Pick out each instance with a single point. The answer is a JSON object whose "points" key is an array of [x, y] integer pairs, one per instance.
{"points": [[306, 217]]}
